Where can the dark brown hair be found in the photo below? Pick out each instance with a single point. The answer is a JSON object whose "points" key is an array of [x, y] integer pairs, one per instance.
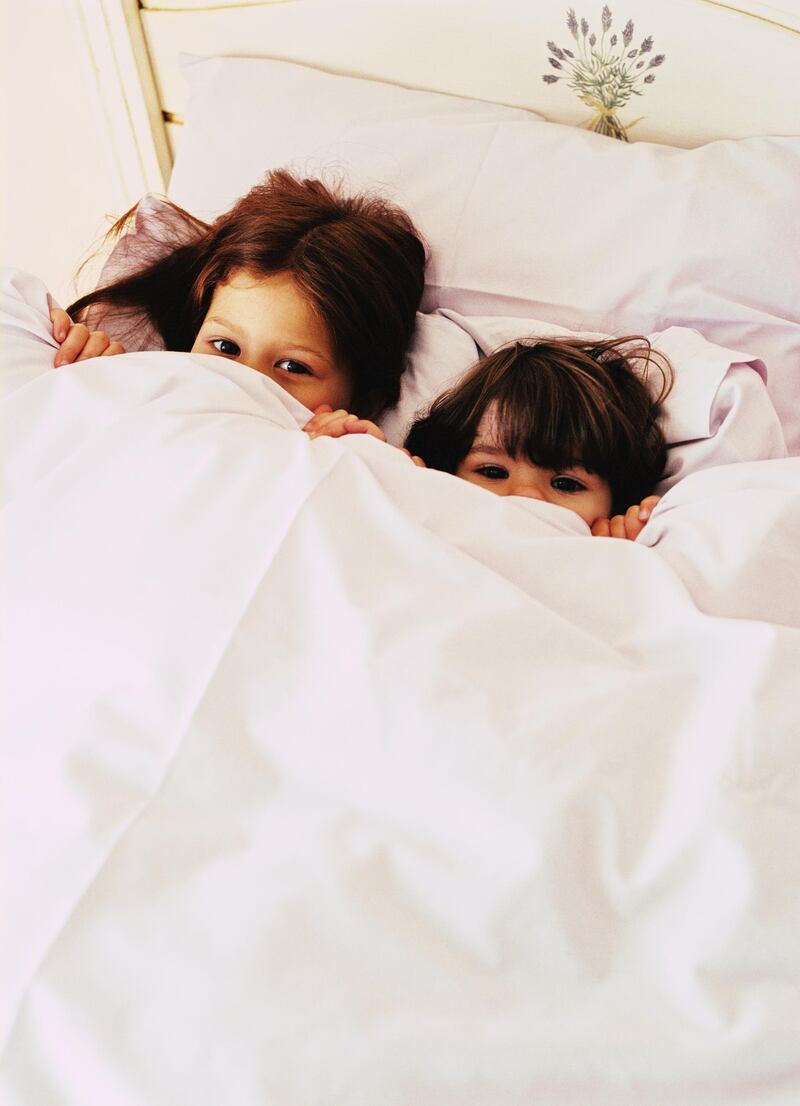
{"points": [[560, 402], [358, 259]]}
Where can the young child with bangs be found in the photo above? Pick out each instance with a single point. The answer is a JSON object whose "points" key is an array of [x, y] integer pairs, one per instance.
{"points": [[568, 421]]}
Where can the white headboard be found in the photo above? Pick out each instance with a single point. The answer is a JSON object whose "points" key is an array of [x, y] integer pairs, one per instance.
{"points": [[728, 70]]}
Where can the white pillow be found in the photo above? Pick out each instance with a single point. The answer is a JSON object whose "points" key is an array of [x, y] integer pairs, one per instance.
{"points": [[367, 134], [524, 217]]}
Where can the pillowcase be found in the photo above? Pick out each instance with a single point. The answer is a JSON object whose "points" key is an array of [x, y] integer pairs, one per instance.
{"points": [[524, 217], [421, 149]]}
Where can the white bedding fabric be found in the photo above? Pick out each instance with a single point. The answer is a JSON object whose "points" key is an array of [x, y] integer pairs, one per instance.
{"points": [[328, 780]]}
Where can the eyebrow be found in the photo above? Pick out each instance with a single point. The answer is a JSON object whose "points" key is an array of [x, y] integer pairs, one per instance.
{"points": [[485, 447], [289, 345]]}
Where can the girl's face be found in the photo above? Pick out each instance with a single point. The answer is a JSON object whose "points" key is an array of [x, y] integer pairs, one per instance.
{"points": [[489, 466], [265, 322]]}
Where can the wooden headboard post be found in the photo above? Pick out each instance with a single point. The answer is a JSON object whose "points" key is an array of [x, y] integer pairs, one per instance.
{"points": [[128, 94]]}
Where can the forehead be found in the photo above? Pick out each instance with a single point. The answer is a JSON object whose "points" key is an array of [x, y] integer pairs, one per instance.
{"points": [[267, 305]]}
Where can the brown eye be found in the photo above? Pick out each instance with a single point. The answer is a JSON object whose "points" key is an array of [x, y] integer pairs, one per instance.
{"points": [[567, 484], [492, 472], [297, 368], [226, 347]]}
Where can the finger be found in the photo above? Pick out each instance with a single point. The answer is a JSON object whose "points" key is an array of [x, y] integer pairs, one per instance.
{"points": [[61, 323], [72, 345], [600, 528], [617, 526], [113, 349], [633, 524], [96, 344], [323, 409], [647, 505], [334, 420], [329, 426], [354, 425], [318, 421], [323, 416]]}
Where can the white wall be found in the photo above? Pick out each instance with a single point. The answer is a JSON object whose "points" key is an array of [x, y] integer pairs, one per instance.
{"points": [[58, 183]]}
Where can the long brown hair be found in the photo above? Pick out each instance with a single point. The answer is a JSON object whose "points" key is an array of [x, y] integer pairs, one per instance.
{"points": [[358, 259], [560, 402]]}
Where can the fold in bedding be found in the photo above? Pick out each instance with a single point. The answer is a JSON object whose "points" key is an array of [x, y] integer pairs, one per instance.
{"points": [[328, 779]]}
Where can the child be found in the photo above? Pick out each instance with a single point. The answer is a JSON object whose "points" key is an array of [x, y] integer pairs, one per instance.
{"points": [[567, 421], [323, 290]]}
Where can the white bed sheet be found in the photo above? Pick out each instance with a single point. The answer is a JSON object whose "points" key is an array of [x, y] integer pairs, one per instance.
{"points": [[331, 780]]}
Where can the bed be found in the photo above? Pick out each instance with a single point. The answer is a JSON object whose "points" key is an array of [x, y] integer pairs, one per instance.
{"points": [[328, 780]]}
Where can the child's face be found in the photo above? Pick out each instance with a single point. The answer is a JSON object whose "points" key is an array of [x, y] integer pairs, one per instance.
{"points": [[265, 322], [487, 465]]}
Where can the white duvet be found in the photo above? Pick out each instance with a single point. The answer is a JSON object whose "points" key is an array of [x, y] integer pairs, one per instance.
{"points": [[328, 780]]}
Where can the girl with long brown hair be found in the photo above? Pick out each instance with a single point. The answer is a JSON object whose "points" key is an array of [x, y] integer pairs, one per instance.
{"points": [[566, 421], [316, 289]]}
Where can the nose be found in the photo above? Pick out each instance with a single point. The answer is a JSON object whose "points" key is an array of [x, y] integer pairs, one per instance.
{"points": [[528, 489]]}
